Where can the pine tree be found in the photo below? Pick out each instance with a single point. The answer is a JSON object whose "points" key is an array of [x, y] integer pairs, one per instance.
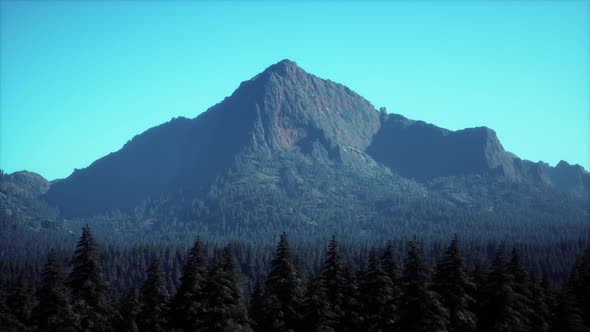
{"points": [[420, 308], [87, 286], [389, 264], [283, 291], [153, 297], [567, 315], [8, 322], [332, 278], [232, 273], [129, 309], [572, 302], [499, 300], [317, 310], [539, 305], [579, 283], [351, 320], [186, 305], [20, 301], [549, 292], [480, 279], [452, 282], [256, 307], [53, 312], [225, 309], [377, 297], [522, 289]]}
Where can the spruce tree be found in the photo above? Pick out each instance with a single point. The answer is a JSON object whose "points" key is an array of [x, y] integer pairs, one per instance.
{"points": [[283, 291], [186, 305], [53, 312], [420, 309], [225, 309], [480, 278], [549, 291], [87, 286], [499, 300], [256, 307], [523, 301], [20, 301], [332, 278], [239, 308], [351, 319], [377, 297], [389, 264], [8, 322], [317, 314], [579, 283], [539, 305], [453, 284], [129, 309], [153, 296], [568, 315]]}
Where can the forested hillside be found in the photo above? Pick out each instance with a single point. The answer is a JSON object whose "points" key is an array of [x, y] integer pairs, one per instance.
{"points": [[212, 288]]}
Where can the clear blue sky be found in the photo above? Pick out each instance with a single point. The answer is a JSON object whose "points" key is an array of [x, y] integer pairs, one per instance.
{"points": [[79, 79]]}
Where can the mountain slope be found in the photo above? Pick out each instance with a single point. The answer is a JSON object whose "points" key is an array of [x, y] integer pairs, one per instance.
{"points": [[20, 202], [281, 109], [423, 151], [289, 138]]}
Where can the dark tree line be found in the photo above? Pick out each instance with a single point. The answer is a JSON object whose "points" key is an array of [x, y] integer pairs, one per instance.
{"points": [[381, 293]]}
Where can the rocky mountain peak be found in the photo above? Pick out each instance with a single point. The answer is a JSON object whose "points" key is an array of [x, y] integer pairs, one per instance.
{"points": [[291, 108], [284, 67], [285, 112], [30, 182]]}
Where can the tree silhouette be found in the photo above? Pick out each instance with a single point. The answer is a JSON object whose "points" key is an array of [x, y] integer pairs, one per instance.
{"points": [[420, 308], [86, 282], [153, 296], [129, 308], [317, 314], [283, 292], [54, 310], [225, 309], [499, 300], [377, 297], [186, 305], [453, 284]]}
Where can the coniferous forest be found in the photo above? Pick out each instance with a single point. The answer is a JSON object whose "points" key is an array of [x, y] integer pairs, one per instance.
{"points": [[219, 289]]}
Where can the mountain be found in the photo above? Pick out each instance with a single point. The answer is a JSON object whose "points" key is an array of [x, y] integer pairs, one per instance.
{"points": [[290, 146], [422, 151], [282, 109], [19, 200]]}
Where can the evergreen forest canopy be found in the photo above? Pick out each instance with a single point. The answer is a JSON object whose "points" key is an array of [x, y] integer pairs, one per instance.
{"points": [[378, 292]]}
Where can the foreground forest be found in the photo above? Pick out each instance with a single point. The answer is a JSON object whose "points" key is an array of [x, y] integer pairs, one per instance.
{"points": [[379, 292]]}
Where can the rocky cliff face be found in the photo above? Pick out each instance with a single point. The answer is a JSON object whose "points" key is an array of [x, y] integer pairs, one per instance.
{"points": [[423, 151], [281, 114], [32, 183], [20, 201], [295, 108], [281, 109], [569, 178]]}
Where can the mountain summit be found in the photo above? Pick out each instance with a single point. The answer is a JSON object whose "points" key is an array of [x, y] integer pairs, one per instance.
{"points": [[289, 107], [287, 133]]}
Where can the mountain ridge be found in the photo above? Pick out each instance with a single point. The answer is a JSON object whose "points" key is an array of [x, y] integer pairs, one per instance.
{"points": [[284, 111]]}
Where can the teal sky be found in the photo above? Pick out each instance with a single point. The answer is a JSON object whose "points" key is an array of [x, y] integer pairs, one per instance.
{"points": [[79, 79]]}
